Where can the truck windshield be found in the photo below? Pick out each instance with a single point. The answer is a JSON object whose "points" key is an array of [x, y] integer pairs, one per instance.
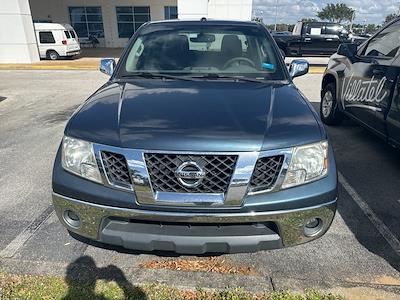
{"points": [[203, 50]]}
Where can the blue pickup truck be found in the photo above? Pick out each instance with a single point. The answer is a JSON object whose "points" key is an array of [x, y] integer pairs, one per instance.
{"points": [[198, 143], [363, 83]]}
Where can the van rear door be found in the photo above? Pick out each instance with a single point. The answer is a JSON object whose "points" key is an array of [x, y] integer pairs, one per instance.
{"points": [[71, 41]]}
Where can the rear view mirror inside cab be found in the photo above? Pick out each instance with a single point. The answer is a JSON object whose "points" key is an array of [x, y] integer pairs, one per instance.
{"points": [[203, 38]]}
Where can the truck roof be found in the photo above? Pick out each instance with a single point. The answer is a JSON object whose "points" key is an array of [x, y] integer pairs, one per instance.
{"points": [[52, 26], [318, 22]]}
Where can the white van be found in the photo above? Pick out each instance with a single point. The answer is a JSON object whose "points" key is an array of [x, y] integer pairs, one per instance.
{"points": [[56, 40]]}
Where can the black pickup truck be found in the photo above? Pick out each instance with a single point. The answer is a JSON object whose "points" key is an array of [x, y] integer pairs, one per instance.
{"points": [[313, 38], [362, 82]]}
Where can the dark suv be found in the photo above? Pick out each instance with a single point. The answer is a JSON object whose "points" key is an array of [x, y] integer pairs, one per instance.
{"points": [[363, 83], [199, 142]]}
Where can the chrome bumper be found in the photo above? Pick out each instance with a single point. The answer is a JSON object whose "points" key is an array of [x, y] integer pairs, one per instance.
{"points": [[290, 224]]}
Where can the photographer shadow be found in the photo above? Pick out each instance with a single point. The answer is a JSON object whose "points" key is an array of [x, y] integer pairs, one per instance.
{"points": [[82, 275]]}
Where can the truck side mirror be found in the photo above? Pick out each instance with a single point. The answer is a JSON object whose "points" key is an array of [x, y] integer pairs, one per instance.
{"points": [[347, 49], [107, 66], [298, 67]]}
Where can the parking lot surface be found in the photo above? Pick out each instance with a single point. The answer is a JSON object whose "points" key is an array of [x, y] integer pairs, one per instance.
{"points": [[362, 247]]}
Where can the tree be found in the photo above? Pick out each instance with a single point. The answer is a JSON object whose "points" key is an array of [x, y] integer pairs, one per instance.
{"points": [[308, 20], [371, 28], [391, 17], [280, 27], [258, 19], [336, 13]]}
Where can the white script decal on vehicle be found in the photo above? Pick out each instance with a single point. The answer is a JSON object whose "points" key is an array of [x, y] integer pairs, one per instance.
{"points": [[360, 91]]}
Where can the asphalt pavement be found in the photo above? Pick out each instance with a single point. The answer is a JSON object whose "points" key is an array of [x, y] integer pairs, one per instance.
{"points": [[361, 249]]}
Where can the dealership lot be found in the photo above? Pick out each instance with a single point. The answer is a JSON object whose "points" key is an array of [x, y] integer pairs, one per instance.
{"points": [[361, 248]]}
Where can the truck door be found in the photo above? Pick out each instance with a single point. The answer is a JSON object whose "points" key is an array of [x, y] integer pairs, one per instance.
{"points": [[332, 37], [393, 118], [313, 39], [368, 83]]}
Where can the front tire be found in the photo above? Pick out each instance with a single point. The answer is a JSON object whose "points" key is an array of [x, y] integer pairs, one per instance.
{"points": [[329, 110]]}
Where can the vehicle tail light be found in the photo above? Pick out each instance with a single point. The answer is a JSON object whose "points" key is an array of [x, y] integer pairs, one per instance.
{"points": [[64, 42]]}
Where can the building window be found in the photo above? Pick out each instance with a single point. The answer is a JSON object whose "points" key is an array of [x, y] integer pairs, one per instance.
{"points": [[87, 21], [46, 37], [170, 12], [130, 18]]}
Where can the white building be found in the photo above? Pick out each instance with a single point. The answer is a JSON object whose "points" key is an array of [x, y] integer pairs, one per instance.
{"points": [[111, 21]]}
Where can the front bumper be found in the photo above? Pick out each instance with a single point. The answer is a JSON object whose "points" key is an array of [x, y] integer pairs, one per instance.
{"points": [[193, 232]]}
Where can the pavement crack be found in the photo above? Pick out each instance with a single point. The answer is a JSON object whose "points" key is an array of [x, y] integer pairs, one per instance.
{"points": [[272, 283]]}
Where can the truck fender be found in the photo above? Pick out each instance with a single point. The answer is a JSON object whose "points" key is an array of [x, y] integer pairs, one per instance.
{"points": [[331, 77]]}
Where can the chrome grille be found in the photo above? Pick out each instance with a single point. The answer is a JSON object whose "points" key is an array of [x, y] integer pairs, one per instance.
{"points": [[218, 172], [266, 173], [116, 169]]}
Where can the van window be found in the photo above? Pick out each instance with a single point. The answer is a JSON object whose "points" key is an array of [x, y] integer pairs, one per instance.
{"points": [[46, 37], [67, 34], [72, 34]]}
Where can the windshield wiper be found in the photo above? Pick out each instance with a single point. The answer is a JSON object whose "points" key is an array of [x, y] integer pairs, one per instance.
{"points": [[238, 78], [156, 75]]}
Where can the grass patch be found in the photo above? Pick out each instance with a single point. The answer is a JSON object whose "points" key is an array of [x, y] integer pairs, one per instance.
{"points": [[52, 287]]}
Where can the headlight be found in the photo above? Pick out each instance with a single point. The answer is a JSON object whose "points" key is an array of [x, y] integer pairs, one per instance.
{"points": [[77, 157], [309, 163]]}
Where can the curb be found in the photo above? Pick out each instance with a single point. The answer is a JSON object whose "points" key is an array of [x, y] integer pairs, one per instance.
{"points": [[195, 280]]}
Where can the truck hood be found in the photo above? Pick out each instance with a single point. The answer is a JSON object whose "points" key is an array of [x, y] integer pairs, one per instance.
{"points": [[196, 116]]}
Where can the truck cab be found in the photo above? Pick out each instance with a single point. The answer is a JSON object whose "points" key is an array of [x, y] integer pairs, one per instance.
{"points": [[313, 38]]}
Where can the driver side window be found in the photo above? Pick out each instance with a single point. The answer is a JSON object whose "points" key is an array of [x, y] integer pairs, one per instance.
{"points": [[386, 44]]}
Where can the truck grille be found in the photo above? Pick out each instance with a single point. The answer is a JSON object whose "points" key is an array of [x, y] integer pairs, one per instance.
{"points": [[218, 172], [116, 169], [266, 173]]}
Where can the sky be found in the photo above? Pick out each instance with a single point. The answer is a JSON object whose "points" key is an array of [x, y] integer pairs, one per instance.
{"points": [[290, 11]]}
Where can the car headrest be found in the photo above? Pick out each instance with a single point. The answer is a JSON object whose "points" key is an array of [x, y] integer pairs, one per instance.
{"points": [[231, 45], [175, 45]]}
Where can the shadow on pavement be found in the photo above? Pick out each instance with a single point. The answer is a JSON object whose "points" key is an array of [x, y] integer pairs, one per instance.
{"points": [[82, 275], [2, 98], [372, 168], [377, 183]]}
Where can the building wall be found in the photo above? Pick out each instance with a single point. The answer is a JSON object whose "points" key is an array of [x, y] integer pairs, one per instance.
{"points": [[230, 9], [192, 9], [57, 12], [215, 9], [17, 37]]}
